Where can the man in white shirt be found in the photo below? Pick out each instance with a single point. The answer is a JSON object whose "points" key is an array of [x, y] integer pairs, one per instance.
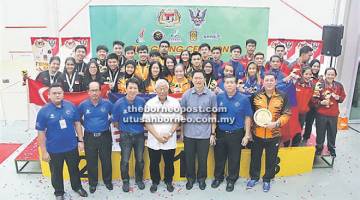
{"points": [[162, 116]]}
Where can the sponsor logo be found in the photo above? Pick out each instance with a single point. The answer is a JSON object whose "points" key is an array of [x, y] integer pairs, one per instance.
{"points": [[214, 36], [140, 37], [315, 46], [193, 35], [302, 44], [158, 35], [221, 103], [70, 44], [169, 17], [175, 37], [52, 116], [39, 43], [197, 16], [275, 43], [288, 44], [83, 42]]}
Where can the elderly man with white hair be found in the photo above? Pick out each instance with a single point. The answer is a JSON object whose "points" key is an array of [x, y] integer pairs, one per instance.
{"points": [[162, 116]]}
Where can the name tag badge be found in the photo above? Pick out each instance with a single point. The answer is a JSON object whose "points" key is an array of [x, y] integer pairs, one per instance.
{"points": [[62, 123]]}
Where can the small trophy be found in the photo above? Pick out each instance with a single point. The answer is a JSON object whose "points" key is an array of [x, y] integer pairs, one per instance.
{"points": [[25, 76]]}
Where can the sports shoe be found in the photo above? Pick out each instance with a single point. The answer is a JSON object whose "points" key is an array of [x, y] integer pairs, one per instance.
{"points": [[266, 186], [251, 183]]}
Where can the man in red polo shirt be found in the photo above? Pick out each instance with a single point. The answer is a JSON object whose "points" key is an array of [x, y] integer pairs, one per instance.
{"points": [[284, 67], [250, 50], [304, 57]]}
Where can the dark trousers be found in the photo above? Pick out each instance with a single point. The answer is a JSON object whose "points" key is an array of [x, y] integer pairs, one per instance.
{"points": [[297, 137], [155, 158], [271, 147], [196, 148], [129, 141], [56, 167], [326, 125], [228, 147], [95, 148], [302, 118], [309, 120]]}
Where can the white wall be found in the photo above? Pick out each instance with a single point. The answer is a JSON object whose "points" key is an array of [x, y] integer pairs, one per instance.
{"points": [[15, 48], [347, 65]]}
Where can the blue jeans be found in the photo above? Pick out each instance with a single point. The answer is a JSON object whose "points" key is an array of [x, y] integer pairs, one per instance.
{"points": [[128, 141]]}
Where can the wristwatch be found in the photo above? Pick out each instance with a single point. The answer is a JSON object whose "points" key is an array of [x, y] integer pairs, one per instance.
{"points": [[277, 124]]}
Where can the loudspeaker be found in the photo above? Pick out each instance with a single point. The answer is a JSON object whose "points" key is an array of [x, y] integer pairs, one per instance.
{"points": [[331, 36]]}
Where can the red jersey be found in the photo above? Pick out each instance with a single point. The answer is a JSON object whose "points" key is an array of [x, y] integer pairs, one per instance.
{"points": [[296, 66], [284, 67], [325, 93], [304, 93], [244, 60]]}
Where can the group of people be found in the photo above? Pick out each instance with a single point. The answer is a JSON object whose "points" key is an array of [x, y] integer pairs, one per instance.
{"points": [[216, 108]]}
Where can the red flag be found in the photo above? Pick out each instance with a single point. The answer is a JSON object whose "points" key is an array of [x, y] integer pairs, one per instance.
{"points": [[38, 94]]}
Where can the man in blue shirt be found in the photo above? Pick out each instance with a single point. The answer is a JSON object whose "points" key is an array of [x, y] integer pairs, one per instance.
{"points": [[58, 123], [239, 69], [233, 122], [127, 117], [98, 141]]}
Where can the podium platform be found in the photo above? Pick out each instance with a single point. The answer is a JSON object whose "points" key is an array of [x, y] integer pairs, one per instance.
{"points": [[291, 161]]}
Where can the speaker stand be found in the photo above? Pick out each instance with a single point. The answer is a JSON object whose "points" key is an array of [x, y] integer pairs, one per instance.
{"points": [[331, 61]]}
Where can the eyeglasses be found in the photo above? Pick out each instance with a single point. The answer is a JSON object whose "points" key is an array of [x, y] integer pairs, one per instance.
{"points": [[161, 89]]}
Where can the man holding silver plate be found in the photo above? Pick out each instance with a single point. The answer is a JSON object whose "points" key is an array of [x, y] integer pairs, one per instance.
{"points": [[272, 110]]}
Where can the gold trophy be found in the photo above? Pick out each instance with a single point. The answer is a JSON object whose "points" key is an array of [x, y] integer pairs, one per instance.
{"points": [[317, 89], [213, 85], [25, 76], [327, 96]]}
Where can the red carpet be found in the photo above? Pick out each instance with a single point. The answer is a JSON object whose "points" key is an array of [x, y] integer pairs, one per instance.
{"points": [[6, 149]]}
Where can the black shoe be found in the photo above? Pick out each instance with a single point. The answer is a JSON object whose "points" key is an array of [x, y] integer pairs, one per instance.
{"points": [[169, 187], [230, 186], [153, 188], [216, 183], [109, 186], [92, 189], [82, 192], [60, 197], [318, 152], [202, 185], [140, 185], [126, 186], [189, 185], [332, 152]]}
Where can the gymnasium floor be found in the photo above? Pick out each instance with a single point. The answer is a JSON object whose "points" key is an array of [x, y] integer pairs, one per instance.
{"points": [[341, 182]]}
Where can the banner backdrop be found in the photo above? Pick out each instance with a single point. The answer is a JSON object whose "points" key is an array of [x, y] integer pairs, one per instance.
{"points": [[293, 47], [68, 44], [43, 49], [183, 26]]}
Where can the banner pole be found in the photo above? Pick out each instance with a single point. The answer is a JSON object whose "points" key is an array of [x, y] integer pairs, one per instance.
{"points": [[28, 105], [3, 109]]}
